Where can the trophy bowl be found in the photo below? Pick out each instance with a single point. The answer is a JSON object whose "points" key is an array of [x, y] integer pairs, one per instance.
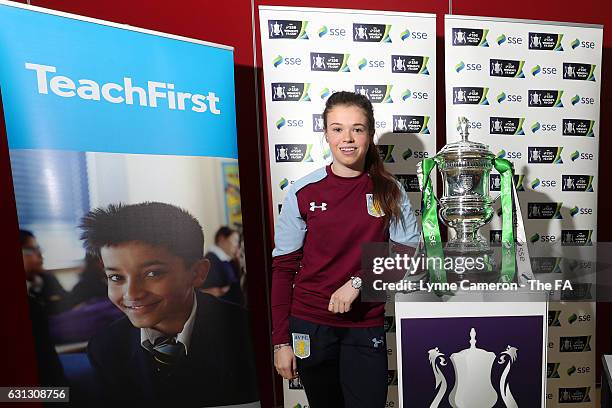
{"points": [[465, 205]]}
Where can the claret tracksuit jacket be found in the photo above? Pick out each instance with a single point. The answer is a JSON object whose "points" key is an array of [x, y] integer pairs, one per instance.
{"points": [[323, 222]]}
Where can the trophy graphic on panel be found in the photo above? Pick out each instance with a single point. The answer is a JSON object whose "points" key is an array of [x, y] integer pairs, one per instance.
{"points": [[465, 206], [473, 367]]}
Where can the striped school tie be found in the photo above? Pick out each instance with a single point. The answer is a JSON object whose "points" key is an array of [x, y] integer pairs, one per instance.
{"points": [[166, 350]]}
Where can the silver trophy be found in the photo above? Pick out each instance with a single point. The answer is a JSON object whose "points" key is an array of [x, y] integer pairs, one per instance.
{"points": [[465, 205]]}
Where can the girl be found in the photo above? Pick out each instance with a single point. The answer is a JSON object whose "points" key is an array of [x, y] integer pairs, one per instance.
{"points": [[317, 316]]}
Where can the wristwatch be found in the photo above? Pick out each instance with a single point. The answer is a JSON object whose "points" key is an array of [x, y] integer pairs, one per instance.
{"points": [[280, 346], [356, 282]]}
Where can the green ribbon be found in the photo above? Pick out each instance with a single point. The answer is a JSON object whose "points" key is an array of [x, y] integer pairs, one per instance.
{"points": [[508, 269], [431, 228]]}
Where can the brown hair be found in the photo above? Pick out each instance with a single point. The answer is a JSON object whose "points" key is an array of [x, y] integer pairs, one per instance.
{"points": [[387, 194]]}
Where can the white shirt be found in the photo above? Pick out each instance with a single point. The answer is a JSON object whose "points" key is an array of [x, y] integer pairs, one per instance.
{"points": [[220, 253], [184, 336]]}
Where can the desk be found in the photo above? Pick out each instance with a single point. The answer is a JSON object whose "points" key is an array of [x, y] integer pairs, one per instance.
{"points": [[606, 382]]}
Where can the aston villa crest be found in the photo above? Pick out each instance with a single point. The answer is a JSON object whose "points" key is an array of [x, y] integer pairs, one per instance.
{"points": [[473, 366], [373, 208], [301, 345]]}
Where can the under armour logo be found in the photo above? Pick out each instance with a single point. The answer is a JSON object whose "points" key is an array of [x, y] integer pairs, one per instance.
{"points": [[377, 341], [322, 207]]}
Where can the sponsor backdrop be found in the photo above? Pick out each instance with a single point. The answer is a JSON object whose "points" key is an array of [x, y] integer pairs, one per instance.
{"points": [[531, 92], [310, 53]]}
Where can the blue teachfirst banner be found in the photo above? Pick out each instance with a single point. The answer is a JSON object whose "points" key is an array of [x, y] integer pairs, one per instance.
{"points": [[85, 85]]}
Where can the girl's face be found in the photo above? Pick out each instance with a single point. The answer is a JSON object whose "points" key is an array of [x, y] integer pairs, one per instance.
{"points": [[347, 135]]}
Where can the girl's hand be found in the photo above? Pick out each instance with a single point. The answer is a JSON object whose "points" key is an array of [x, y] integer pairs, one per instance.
{"points": [[285, 363], [341, 299]]}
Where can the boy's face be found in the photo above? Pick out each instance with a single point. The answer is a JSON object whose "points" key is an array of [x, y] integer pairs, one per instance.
{"points": [[32, 258], [153, 287]]}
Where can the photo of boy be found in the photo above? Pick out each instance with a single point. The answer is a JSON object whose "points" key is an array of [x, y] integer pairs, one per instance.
{"points": [[175, 344]]}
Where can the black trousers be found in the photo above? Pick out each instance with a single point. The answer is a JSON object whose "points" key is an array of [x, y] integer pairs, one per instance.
{"points": [[347, 367]]}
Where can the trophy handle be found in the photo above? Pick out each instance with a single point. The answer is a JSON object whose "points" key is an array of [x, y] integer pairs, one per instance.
{"points": [[437, 361], [508, 356]]}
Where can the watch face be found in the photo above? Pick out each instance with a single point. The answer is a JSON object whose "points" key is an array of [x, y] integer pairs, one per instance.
{"points": [[356, 283]]}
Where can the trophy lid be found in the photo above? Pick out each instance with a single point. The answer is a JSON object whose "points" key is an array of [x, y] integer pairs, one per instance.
{"points": [[465, 147]]}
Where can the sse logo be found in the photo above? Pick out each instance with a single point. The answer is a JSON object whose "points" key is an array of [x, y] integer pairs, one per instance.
{"points": [[334, 32], [583, 44], [284, 183], [503, 154], [543, 127], [538, 70], [289, 61], [509, 40], [584, 100], [575, 211], [578, 370], [544, 183], [292, 123], [576, 155], [418, 95], [508, 98], [326, 93], [419, 155], [470, 66], [414, 35], [543, 238], [374, 64]]}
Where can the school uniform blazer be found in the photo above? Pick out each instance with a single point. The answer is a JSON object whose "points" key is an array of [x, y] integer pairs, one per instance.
{"points": [[219, 368]]}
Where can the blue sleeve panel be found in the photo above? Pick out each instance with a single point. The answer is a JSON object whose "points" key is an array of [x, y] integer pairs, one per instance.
{"points": [[291, 228], [405, 232]]}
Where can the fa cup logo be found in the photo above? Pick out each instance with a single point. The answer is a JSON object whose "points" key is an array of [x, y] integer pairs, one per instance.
{"points": [[473, 387]]}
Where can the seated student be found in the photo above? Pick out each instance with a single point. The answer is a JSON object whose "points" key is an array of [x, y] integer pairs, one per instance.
{"points": [[223, 278], [91, 285], [42, 286], [175, 345]]}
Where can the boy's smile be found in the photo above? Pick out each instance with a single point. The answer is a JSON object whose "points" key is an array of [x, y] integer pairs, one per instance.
{"points": [[153, 287]]}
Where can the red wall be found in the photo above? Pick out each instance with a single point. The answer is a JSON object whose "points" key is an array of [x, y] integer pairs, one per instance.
{"points": [[230, 22]]}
